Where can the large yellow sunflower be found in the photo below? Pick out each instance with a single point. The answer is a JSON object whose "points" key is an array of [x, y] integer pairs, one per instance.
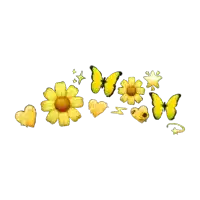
{"points": [[61, 104], [131, 91]]}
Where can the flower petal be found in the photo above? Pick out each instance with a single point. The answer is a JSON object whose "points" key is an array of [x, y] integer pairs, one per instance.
{"points": [[140, 90], [124, 84], [131, 100], [131, 81], [63, 118], [47, 105], [52, 117], [60, 89], [124, 98], [50, 94], [76, 102], [74, 114], [121, 90], [138, 83], [71, 91], [138, 98]]}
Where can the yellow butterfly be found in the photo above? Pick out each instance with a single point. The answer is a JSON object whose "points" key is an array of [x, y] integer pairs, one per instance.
{"points": [[108, 84], [159, 106]]}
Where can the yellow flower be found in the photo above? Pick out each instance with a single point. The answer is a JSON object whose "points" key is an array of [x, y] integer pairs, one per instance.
{"points": [[131, 91], [61, 104]]}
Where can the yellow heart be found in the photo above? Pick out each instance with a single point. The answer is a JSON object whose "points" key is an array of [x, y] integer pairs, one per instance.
{"points": [[140, 114], [26, 117], [97, 108]]}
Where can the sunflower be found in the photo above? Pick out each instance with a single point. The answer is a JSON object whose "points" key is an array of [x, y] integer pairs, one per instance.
{"points": [[61, 104], [131, 91]]}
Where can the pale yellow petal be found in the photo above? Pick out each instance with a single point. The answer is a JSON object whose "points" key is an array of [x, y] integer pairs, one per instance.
{"points": [[131, 81], [60, 89], [63, 118], [138, 98], [124, 84], [121, 90], [138, 83], [74, 114], [52, 117], [71, 91], [124, 98], [76, 102], [140, 90], [131, 100], [47, 106], [50, 94]]}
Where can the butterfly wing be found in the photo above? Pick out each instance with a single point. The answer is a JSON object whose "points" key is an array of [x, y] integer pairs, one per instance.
{"points": [[96, 79], [158, 105], [170, 106], [110, 84]]}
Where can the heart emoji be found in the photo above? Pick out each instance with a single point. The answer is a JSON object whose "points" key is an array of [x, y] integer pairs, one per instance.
{"points": [[26, 117], [141, 114], [97, 108]]}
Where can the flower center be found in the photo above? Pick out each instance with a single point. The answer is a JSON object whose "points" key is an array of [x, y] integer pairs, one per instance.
{"points": [[131, 91], [62, 104]]}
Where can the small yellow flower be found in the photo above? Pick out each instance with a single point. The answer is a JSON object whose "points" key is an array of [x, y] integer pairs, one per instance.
{"points": [[61, 104], [131, 91]]}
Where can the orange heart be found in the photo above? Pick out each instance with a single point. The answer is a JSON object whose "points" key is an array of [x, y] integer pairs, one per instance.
{"points": [[26, 117], [96, 108]]}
